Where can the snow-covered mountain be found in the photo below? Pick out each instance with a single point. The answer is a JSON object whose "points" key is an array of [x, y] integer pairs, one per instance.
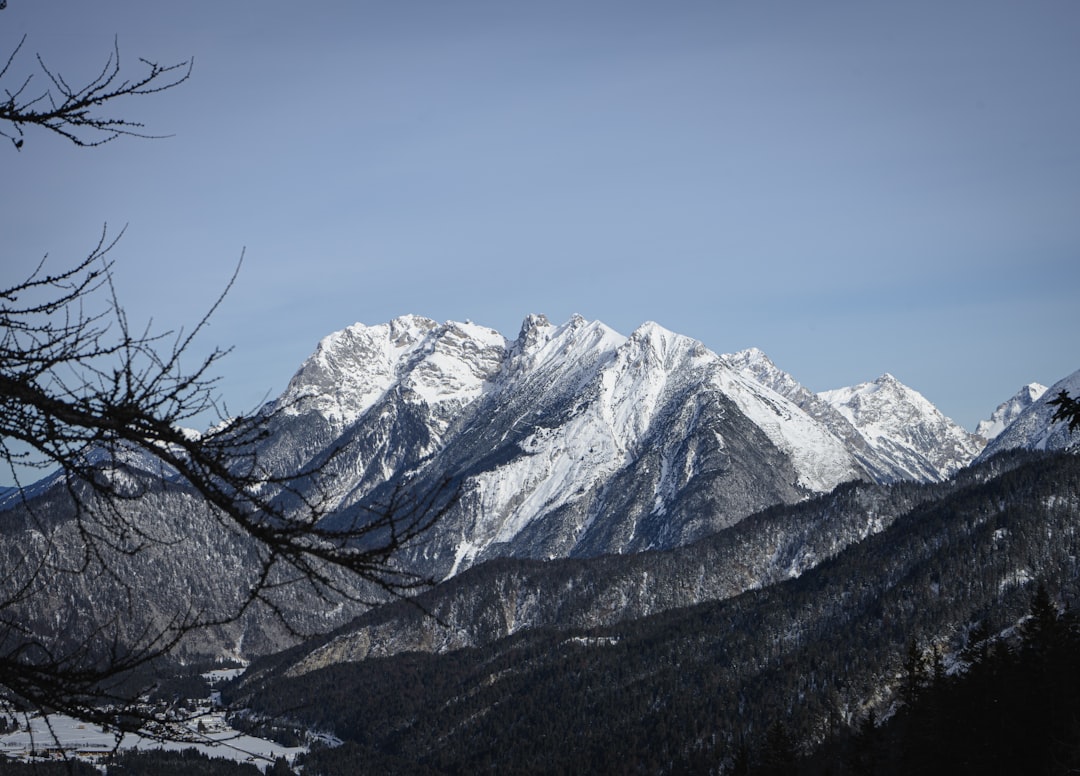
{"points": [[568, 440], [892, 430], [1033, 428], [445, 367], [905, 429], [1009, 410]]}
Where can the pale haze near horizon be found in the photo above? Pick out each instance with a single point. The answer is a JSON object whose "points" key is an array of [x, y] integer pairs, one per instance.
{"points": [[853, 188]]}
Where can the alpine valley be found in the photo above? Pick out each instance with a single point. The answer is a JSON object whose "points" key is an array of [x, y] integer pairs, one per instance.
{"points": [[650, 557]]}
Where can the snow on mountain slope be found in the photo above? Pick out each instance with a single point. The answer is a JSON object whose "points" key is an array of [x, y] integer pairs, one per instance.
{"points": [[880, 432], [570, 439], [905, 429], [1033, 427], [1008, 411], [820, 456], [635, 375], [755, 364], [560, 439], [625, 405]]}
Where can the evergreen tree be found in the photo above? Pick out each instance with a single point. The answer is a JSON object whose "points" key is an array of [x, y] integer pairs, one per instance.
{"points": [[914, 674], [864, 747], [778, 757], [1040, 630], [280, 768], [1068, 410], [978, 645]]}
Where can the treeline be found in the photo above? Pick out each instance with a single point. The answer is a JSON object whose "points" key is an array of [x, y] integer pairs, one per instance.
{"points": [[189, 762], [58, 768]]}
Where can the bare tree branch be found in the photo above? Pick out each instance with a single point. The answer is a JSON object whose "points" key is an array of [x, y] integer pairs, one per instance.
{"points": [[100, 408], [103, 405], [74, 112]]}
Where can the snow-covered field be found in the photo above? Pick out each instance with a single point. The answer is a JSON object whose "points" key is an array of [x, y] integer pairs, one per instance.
{"points": [[89, 742]]}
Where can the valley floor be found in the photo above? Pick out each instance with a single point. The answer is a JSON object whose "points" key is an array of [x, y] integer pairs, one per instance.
{"points": [[59, 736]]}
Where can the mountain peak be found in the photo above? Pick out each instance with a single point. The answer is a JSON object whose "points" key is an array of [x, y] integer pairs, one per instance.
{"points": [[1034, 427], [1008, 411], [533, 323], [351, 368], [753, 356], [655, 336], [905, 427]]}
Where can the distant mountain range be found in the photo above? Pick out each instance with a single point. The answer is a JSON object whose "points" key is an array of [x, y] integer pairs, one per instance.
{"points": [[573, 440], [569, 441]]}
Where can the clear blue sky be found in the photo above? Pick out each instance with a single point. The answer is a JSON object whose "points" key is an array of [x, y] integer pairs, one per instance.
{"points": [[853, 187]]}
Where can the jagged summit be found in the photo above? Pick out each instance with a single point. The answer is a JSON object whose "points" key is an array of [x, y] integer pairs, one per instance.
{"points": [[570, 439], [352, 368], [532, 328], [1008, 411]]}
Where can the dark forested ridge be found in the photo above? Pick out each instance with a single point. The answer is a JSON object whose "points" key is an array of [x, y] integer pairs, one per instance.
{"points": [[751, 680], [504, 596]]}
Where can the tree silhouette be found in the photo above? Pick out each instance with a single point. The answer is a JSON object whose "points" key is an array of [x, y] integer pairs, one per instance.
{"points": [[99, 407], [1068, 410], [778, 756], [75, 112]]}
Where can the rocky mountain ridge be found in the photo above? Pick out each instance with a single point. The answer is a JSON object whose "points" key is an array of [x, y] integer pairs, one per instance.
{"points": [[894, 432], [570, 442], [574, 440]]}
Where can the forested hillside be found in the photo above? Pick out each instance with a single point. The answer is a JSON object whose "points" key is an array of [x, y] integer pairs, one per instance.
{"points": [[691, 688], [1010, 705]]}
